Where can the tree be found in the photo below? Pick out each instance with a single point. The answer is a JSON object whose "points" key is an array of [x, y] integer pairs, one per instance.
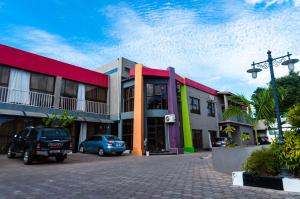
{"points": [[62, 120], [293, 116], [260, 108]]}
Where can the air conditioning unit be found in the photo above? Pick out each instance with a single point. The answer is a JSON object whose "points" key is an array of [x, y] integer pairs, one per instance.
{"points": [[170, 118], [211, 98]]}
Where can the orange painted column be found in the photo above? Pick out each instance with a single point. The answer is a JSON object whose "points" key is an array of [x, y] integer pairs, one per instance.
{"points": [[138, 121]]}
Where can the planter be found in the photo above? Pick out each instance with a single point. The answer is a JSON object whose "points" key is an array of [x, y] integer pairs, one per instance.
{"points": [[227, 160], [241, 178]]}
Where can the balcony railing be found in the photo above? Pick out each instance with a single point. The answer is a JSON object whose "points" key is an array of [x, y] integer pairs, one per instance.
{"points": [[30, 98], [73, 104]]}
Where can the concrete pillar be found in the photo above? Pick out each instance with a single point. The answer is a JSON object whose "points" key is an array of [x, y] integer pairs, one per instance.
{"points": [[174, 131], [120, 129], [57, 90], [138, 121], [187, 131]]}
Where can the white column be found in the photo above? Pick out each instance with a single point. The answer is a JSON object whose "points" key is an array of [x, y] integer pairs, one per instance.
{"points": [[81, 98], [83, 133]]}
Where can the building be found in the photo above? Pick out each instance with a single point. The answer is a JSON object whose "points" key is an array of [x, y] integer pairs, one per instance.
{"points": [[141, 98], [33, 86], [122, 98]]}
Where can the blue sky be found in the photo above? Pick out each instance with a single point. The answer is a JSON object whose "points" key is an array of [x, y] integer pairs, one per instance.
{"points": [[213, 42]]}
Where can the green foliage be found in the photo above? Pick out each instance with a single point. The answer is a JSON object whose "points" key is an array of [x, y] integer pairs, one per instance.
{"points": [[62, 120], [293, 116], [231, 145], [290, 84], [289, 152], [245, 137], [262, 162], [229, 129]]}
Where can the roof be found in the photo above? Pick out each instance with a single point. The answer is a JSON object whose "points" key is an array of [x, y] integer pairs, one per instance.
{"points": [[36, 63]]}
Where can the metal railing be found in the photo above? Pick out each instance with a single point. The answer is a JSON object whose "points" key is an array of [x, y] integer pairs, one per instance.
{"points": [[37, 99], [30, 98], [68, 103], [95, 107], [73, 104]]}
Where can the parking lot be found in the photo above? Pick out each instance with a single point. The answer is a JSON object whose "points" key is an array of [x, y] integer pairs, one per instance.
{"points": [[112, 177]]}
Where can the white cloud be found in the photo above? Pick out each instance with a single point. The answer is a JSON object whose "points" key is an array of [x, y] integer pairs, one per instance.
{"points": [[272, 2], [204, 52], [54, 46]]}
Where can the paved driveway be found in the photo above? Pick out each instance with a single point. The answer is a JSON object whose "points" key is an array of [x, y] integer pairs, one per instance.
{"points": [[89, 176]]}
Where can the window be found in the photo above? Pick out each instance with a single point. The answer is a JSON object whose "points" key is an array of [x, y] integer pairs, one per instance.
{"points": [[128, 99], [157, 96], [4, 76], [97, 94], [195, 105], [211, 109], [128, 133], [69, 88], [41, 83]]}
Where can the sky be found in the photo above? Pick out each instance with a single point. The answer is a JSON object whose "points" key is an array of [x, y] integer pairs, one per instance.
{"points": [[213, 42]]}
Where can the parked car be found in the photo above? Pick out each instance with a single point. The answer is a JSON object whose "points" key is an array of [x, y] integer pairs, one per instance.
{"points": [[263, 140], [103, 144], [221, 142], [35, 142]]}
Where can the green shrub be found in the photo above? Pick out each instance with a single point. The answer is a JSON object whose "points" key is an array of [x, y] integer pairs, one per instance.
{"points": [[293, 116], [262, 162], [289, 152]]}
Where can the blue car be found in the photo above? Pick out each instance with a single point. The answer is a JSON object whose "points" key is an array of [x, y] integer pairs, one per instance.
{"points": [[103, 144]]}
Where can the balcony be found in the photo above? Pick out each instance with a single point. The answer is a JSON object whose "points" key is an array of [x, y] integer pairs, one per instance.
{"points": [[37, 99], [73, 104]]}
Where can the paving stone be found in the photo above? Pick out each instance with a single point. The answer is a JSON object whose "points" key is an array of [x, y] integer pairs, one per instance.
{"points": [[89, 176]]}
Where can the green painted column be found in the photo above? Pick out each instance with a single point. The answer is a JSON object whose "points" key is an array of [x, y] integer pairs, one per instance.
{"points": [[187, 132]]}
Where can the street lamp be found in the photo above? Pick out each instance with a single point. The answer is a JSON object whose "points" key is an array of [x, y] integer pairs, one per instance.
{"points": [[284, 60]]}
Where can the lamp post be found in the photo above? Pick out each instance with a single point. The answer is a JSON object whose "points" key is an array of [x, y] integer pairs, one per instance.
{"points": [[269, 63]]}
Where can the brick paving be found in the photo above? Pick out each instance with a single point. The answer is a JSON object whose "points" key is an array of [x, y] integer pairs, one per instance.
{"points": [[89, 176]]}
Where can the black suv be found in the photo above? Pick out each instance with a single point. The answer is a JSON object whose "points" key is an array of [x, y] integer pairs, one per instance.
{"points": [[34, 142]]}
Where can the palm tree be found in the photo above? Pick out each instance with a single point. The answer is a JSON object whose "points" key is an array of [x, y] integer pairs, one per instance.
{"points": [[260, 108]]}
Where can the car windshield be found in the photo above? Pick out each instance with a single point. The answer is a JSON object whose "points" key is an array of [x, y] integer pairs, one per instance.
{"points": [[54, 133], [112, 138]]}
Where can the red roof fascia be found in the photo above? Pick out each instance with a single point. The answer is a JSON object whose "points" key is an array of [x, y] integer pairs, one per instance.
{"points": [[199, 86], [151, 72], [32, 62], [179, 78]]}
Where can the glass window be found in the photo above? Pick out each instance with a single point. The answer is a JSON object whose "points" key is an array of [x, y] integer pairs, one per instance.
{"points": [[42, 83], [69, 88], [4, 76], [195, 105], [112, 138], [128, 99], [211, 109], [94, 93], [157, 96], [128, 133]]}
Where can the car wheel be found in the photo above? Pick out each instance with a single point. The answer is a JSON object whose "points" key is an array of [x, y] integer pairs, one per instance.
{"points": [[27, 157], [81, 149], [59, 158], [10, 153], [119, 153], [100, 152]]}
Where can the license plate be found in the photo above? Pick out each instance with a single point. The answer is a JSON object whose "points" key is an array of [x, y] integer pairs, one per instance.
{"points": [[54, 151]]}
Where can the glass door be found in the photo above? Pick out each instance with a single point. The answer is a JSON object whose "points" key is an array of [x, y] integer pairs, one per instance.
{"points": [[156, 134]]}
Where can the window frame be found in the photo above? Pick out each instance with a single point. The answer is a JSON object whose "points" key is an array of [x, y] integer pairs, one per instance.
{"points": [[43, 76], [7, 69], [98, 93], [128, 99], [63, 88], [157, 99], [192, 104], [211, 109]]}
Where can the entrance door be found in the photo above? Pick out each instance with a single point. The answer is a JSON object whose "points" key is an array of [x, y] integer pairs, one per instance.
{"points": [[197, 139], [156, 134], [213, 136]]}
